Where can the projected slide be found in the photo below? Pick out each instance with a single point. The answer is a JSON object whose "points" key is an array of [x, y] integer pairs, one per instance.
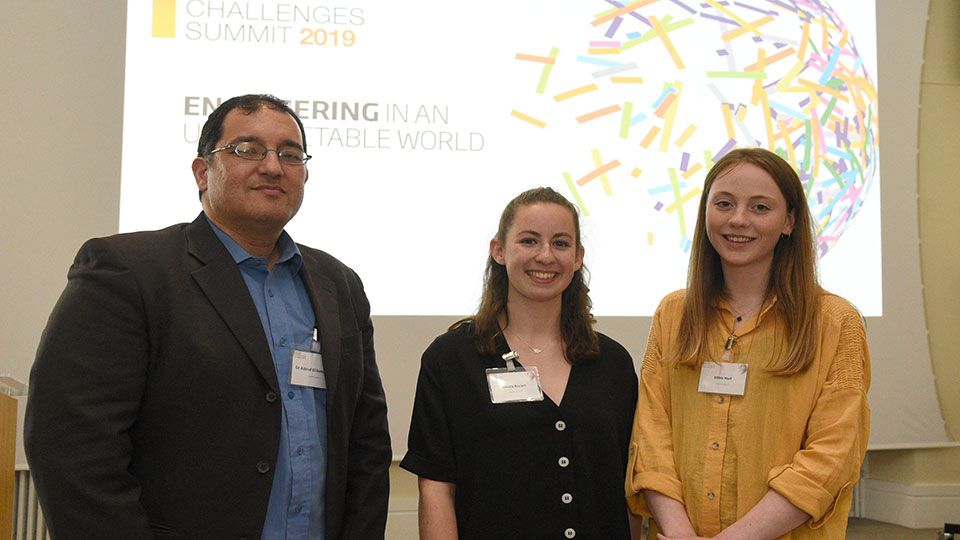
{"points": [[426, 117]]}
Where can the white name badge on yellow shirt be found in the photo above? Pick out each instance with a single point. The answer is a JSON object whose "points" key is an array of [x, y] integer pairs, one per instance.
{"points": [[723, 378], [512, 386], [306, 369]]}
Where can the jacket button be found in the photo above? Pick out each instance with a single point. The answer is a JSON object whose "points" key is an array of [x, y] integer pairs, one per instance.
{"points": [[263, 467], [271, 397]]}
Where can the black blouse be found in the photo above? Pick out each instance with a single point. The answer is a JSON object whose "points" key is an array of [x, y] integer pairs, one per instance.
{"points": [[525, 470]]}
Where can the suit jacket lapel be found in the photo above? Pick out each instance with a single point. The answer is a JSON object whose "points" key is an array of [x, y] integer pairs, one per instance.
{"points": [[221, 282], [323, 298]]}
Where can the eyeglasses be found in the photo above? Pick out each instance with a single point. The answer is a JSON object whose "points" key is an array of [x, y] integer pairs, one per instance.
{"points": [[257, 152]]}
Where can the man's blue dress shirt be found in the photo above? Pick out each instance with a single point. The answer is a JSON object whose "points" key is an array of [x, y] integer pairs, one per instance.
{"points": [[296, 507]]}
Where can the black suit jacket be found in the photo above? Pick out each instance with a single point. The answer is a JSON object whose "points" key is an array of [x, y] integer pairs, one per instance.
{"points": [[154, 408]]}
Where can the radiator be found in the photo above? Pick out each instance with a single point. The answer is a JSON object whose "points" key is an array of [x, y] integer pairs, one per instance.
{"points": [[27, 519]]}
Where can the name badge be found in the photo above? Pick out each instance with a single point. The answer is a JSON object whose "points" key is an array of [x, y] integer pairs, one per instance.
{"points": [[514, 386], [723, 378], [306, 369]]}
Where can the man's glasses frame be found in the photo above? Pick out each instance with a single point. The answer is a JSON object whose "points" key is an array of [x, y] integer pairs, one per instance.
{"points": [[254, 151]]}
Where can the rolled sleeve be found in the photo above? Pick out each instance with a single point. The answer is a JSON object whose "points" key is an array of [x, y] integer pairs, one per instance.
{"points": [[826, 468], [430, 451], [651, 464]]}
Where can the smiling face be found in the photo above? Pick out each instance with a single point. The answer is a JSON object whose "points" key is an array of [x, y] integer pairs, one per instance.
{"points": [[252, 196], [540, 252], [745, 215]]}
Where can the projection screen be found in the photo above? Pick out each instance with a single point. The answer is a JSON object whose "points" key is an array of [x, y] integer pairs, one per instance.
{"points": [[424, 118]]}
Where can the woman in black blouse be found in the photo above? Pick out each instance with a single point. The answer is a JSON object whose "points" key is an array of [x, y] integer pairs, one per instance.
{"points": [[523, 413]]}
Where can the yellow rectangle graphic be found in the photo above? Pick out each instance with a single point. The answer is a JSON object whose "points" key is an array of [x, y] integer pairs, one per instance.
{"points": [[779, 56], [575, 92], [662, 34], [664, 105], [164, 18], [728, 120], [604, 50], [533, 58], [824, 89], [747, 28], [625, 10], [597, 114], [689, 195], [650, 136], [686, 135], [599, 171], [691, 171], [527, 118]]}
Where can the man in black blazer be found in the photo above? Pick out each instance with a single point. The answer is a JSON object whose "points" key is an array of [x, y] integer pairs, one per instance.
{"points": [[167, 401]]}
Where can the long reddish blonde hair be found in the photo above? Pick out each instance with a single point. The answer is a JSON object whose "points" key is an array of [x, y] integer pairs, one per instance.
{"points": [[793, 274]]}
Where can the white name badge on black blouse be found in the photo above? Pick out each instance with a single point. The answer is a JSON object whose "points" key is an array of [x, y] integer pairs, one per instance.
{"points": [[723, 378], [306, 369], [514, 385]]}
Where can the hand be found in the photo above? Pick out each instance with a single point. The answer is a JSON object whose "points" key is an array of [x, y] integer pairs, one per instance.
{"points": [[662, 537]]}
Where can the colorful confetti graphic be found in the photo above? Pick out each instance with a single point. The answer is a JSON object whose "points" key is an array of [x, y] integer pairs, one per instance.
{"points": [[666, 87]]}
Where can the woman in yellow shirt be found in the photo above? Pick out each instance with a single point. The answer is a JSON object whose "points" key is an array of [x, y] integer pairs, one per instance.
{"points": [[752, 418]]}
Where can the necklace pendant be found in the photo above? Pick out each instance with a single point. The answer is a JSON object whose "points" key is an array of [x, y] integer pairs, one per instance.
{"points": [[536, 350]]}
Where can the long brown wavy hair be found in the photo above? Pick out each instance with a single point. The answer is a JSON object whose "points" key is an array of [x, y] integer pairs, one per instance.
{"points": [[793, 275], [576, 320]]}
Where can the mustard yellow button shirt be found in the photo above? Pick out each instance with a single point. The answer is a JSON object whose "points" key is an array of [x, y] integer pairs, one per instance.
{"points": [[802, 435]]}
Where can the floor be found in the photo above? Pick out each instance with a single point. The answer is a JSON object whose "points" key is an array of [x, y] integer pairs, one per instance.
{"points": [[866, 529]]}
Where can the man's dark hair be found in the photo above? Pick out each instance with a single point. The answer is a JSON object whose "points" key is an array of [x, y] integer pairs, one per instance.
{"points": [[250, 103]]}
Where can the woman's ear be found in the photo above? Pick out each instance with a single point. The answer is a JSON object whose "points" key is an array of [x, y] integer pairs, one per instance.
{"points": [[496, 251], [789, 222]]}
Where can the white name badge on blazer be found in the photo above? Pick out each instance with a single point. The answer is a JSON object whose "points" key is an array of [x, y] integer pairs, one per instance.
{"points": [[723, 378], [514, 385], [306, 369]]}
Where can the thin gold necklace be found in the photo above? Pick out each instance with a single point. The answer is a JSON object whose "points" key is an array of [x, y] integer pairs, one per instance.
{"points": [[531, 347], [740, 316]]}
